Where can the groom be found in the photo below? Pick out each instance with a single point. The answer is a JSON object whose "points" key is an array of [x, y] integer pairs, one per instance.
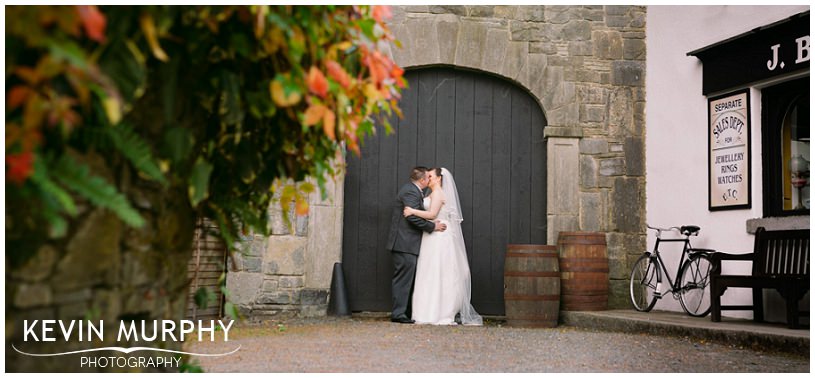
{"points": [[404, 240]]}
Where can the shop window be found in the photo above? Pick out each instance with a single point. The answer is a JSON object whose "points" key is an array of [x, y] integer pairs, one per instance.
{"points": [[785, 140]]}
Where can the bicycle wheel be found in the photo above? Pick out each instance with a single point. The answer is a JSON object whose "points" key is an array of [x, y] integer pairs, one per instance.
{"points": [[643, 283], [694, 286]]}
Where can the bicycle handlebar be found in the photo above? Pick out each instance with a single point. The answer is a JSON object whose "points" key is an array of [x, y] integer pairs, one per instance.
{"points": [[662, 229], [685, 230]]}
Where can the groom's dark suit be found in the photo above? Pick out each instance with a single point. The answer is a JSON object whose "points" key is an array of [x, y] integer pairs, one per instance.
{"points": [[404, 241]]}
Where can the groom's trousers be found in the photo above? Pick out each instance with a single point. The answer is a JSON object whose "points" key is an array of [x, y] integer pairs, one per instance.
{"points": [[404, 273]]}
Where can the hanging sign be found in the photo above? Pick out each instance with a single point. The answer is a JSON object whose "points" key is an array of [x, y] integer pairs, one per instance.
{"points": [[729, 151]]}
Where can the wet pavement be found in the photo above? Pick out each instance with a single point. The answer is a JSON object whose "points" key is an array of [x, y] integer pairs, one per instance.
{"points": [[372, 344]]}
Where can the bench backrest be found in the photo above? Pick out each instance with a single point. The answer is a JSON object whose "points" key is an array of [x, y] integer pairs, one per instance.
{"points": [[781, 253]]}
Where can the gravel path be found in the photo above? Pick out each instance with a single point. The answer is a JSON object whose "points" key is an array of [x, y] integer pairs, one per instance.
{"points": [[378, 346]]}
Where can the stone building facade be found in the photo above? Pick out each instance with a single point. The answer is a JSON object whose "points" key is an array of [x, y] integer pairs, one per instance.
{"points": [[585, 66]]}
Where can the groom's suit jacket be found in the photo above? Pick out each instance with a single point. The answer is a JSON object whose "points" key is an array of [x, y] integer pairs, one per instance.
{"points": [[406, 233]]}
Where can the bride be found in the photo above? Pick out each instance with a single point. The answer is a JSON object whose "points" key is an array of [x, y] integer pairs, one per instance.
{"points": [[442, 287]]}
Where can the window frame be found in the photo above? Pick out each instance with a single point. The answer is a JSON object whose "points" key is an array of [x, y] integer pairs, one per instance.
{"points": [[775, 102]]}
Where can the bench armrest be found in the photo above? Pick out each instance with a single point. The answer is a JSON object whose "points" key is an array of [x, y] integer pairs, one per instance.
{"points": [[721, 256], [717, 258]]}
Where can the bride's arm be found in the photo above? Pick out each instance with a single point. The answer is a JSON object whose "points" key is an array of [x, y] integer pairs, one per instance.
{"points": [[436, 201]]}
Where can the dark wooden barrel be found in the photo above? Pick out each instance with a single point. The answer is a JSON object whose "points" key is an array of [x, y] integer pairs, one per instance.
{"points": [[583, 271], [531, 285]]}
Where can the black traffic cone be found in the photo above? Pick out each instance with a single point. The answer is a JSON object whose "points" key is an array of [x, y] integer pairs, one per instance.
{"points": [[338, 298]]}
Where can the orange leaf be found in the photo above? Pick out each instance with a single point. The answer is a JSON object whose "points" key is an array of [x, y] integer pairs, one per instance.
{"points": [[17, 96], [93, 21], [381, 12], [301, 206], [13, 133], [313, 114], [329, 121], [19, 167], [34, 112], [353, 144], [28, 74], [337, 73], [396, 71], [378, 64], [317, 82]]}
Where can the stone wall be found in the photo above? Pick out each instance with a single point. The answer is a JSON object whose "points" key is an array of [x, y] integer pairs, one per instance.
{"points": [[586, 67], [102, 270], [289, 273]]}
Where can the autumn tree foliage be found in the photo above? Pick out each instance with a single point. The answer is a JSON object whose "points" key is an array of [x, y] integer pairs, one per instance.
{"points": [[233, 105]]}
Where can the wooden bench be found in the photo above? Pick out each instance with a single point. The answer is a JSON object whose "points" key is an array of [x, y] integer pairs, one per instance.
{"points": [[780, 261]]}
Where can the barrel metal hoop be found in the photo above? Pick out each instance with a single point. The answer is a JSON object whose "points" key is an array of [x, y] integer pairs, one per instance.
{"points": [[532, 274], [520, 297], [528, 254]]}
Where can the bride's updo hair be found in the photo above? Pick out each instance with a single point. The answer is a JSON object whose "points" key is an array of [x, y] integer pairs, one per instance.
{"points": [[438, 173]]}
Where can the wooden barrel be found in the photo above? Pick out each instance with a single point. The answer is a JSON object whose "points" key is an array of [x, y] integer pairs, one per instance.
{"points": [[531, 285], [583, 271]]}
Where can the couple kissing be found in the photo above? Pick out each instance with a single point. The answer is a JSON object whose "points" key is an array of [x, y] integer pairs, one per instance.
{"points": [[431, 278]]}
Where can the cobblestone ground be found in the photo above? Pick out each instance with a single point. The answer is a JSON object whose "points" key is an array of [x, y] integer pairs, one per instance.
{"points": [[379, 346]]}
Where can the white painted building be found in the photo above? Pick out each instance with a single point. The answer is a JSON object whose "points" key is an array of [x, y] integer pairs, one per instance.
{"points": [[677, 131]]}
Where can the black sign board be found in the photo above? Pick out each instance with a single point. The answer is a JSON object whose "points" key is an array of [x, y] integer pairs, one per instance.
{"points": [[768, 51]]}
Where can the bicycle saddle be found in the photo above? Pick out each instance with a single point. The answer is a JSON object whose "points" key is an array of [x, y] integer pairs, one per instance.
{"points": [[687, 230]]}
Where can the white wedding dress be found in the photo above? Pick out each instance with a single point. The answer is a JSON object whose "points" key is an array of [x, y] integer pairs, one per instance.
{"points": [[442, 287]]}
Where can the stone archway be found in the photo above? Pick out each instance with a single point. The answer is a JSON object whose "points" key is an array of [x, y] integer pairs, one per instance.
{"points": [[489, 133]]}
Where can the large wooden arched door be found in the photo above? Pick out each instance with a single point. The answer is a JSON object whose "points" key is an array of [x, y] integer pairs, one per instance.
{"points": [[489, 133]]}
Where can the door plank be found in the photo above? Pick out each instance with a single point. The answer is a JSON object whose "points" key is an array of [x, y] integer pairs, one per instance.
{"points": [[425, 154], [501, 134], [463, 167], [520, 173], [482, 192]]}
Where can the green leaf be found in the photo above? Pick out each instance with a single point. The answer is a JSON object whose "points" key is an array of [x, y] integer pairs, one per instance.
{"points": [[307, 187], [231, 310], [199, 181], [78, 178], [240, 43], [177, 144], [41, 179], [367, 27], [231, 110], [169, 88], [278, 21], [55, 201], [203, 297], [366, 127], [136, 150], [225, 229], [190, 367], [69, 51], [260, 104], [123, 64]]}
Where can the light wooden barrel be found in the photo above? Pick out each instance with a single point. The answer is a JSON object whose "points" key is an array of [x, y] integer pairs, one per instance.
{"points": [[583, 271], [531, 285]]}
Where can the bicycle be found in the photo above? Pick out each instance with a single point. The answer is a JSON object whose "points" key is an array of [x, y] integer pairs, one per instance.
{"points": [[693, 276]]}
